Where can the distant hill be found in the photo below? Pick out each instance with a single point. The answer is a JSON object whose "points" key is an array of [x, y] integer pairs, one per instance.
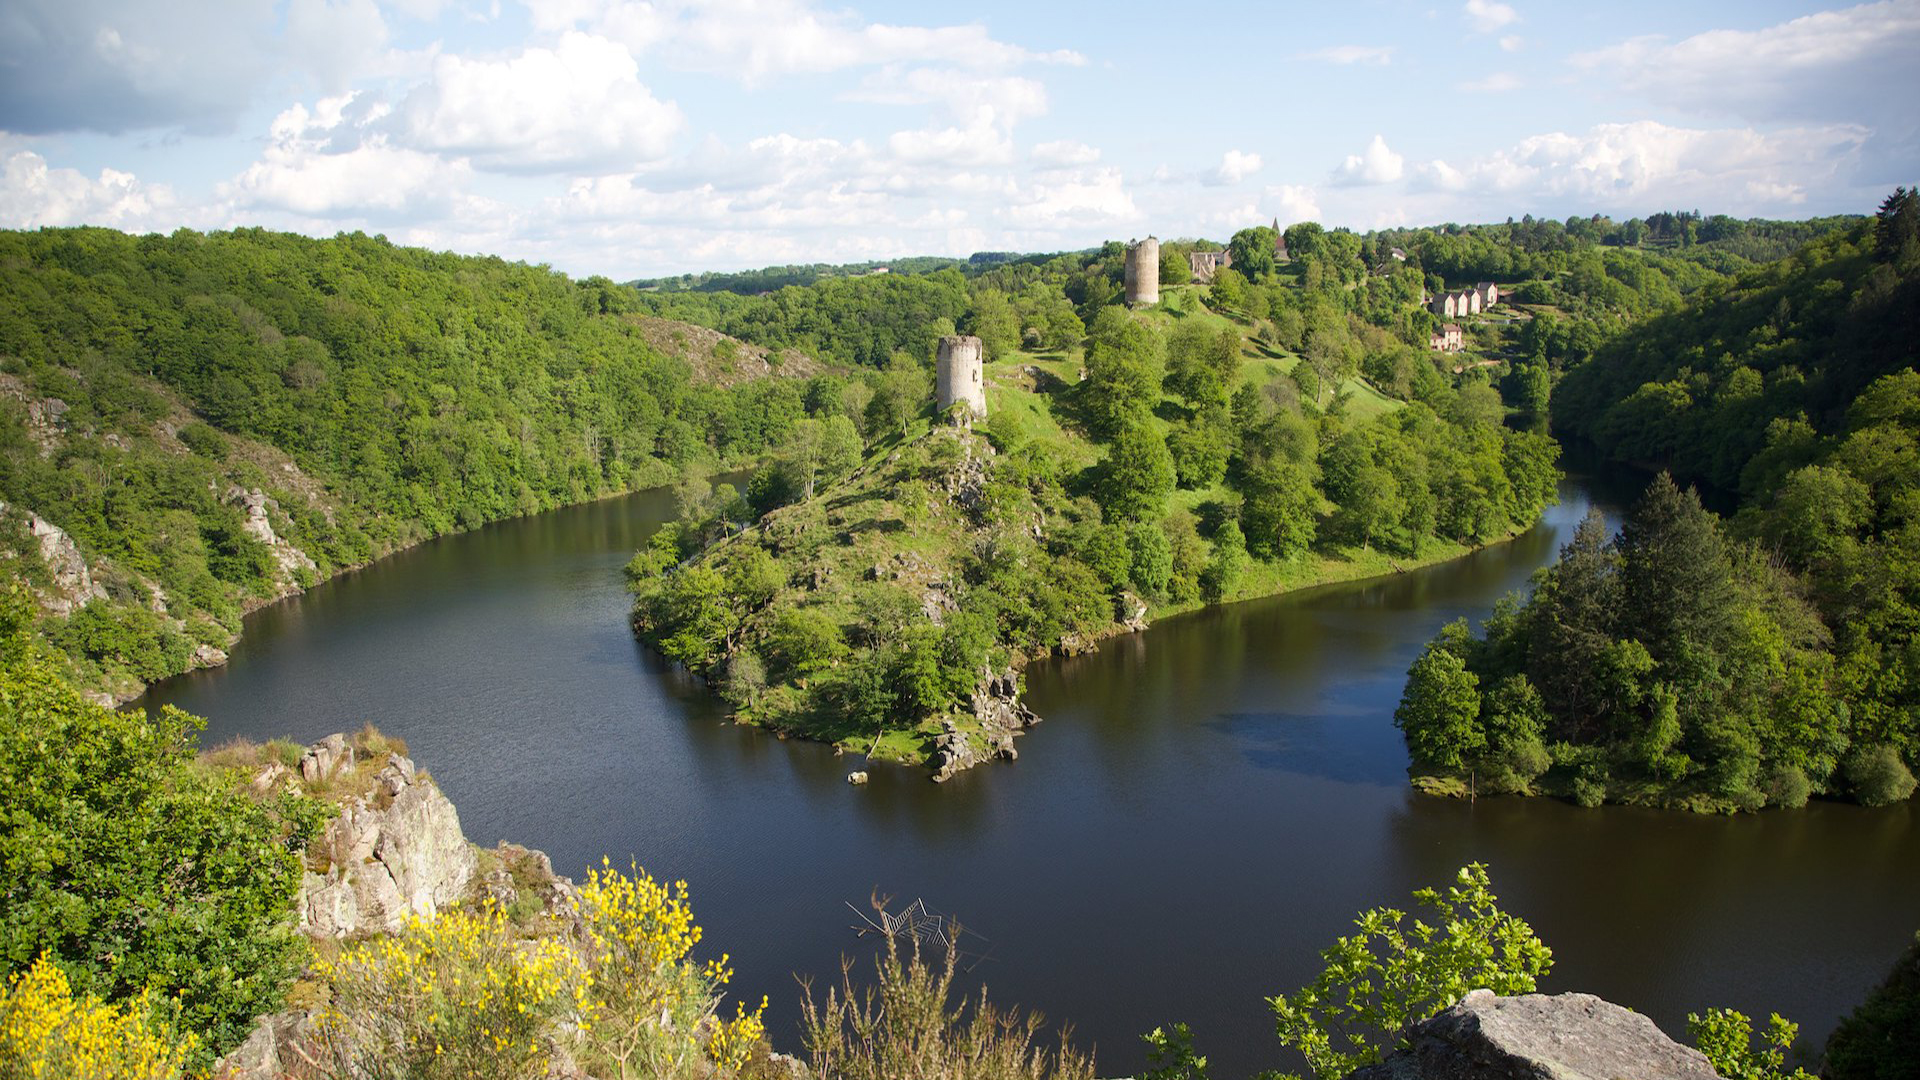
{"points": [[191, 425]]}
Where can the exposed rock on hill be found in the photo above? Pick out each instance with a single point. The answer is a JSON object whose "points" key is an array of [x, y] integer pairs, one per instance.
{"points": [[393, 852], [72, 584], [1539, 1037], [719, 359]]}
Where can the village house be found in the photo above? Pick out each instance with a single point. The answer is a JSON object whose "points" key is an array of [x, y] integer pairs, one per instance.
{"points": [[1489, 294], [1464, 302], [1448, 339], [1205, 264]]}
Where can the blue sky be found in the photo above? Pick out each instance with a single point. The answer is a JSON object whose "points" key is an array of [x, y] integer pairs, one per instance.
{"points": [[637, 138]]}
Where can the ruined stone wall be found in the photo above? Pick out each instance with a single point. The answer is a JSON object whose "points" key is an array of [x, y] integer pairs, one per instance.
{"points": [[959, 374], [1143, 273]]}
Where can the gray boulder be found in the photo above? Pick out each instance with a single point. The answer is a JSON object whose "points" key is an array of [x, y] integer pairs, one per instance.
{"points": [[396, 852], [1539, 1037]]}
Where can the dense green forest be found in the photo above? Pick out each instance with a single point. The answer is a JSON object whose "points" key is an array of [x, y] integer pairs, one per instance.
{"points": [[158, 392], [1736, 664]]}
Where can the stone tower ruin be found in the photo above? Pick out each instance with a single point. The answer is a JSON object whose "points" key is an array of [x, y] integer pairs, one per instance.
{"points": [[958, 376], [1143, 273]]}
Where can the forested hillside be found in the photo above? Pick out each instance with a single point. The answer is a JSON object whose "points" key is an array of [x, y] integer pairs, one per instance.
{"points": [[1724, 665], [216, 419]]}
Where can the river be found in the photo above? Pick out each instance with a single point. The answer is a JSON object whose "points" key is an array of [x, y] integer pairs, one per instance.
{"points": [[1206, 806]]}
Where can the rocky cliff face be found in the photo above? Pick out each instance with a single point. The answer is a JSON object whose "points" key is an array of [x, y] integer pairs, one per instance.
{"points": [[394, 852], [1539, 1037], [72, 582]]}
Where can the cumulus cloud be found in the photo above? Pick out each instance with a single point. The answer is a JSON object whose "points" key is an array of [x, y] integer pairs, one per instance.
{"points": [[1375, 165], [333, 160], [578, 106], [1292, 203], [1511, 43], [1634, 165], [1488, 16], [1235, 166], [33, 195], [1379, 55], [1096, 198], [757, 39], [1854, 64]]}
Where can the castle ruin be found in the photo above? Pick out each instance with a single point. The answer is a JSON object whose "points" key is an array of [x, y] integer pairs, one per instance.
{"points": [[958, 375], [1143, 273]]}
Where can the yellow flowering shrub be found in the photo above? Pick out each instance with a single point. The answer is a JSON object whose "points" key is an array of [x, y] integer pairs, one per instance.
{"points": [[651, 1007], [45, 1032], [460, 996]]}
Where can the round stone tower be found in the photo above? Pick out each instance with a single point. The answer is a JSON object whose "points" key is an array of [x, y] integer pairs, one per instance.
{"points": [[958, 375], [1143, 273]]}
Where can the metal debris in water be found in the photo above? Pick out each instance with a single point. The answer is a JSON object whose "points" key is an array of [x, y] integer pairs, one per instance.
{"points": [[913, 922]]}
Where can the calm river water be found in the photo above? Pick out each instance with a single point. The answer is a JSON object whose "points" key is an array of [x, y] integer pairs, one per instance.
{"points": [[1206, 806]]}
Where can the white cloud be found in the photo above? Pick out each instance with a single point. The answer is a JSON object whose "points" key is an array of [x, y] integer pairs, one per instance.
{"points": [[972, 98], [1637, 165], [578, 106], [1235, 166], [1064, 153], [337, 40], [1292, 203], [962, 147], [1097, 198], [1379, 55], [756, 39], [1375, 165], [1511, 43], [1490, 15], [1856, 64], [331, 162], [1499, 82], [33, 195]]}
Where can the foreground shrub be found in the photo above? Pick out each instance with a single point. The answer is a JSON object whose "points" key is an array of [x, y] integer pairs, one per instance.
{"points": [[1390, 975], [905, 1027], [136, 870], [651, 1011], [46, 1032], [1726, 1037], [457, 996], [1386, 978]]}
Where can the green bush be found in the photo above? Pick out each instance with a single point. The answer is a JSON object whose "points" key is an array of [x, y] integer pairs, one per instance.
{"points": [[1878, 776], [131, 867], [205, 440]]}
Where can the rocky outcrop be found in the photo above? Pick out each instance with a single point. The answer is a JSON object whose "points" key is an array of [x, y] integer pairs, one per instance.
{"points": [[259, 526], [73, 584], [394, 852], [1538, 1037], [998, 716]]}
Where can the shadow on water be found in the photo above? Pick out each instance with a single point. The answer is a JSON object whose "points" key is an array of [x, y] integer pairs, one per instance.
{"points": [[1205, 807]]}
